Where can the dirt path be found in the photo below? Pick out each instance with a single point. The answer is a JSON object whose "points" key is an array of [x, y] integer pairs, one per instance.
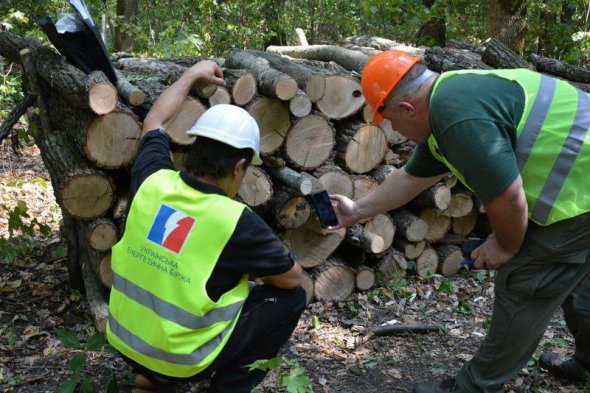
{"points": [[330, 340]]}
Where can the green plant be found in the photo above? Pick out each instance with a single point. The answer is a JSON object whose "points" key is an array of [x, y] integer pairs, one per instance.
{"points": [[79, 378], [398, 287], [291, 375], [19, 243], [463, 307], [446, 286]]}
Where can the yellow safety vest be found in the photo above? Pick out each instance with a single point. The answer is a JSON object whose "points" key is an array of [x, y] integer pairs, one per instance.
{"points": [[160, 313], [552, 148]]}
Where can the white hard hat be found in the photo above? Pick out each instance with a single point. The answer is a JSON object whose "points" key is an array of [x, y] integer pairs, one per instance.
{"points": [[231, 125]]}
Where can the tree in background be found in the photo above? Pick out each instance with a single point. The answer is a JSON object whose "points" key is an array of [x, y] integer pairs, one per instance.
{"points": [[507, 22], [126, 24]]}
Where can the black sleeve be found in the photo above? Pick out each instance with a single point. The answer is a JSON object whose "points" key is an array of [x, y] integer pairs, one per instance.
{"points": [[153, 154], [255, 249]]}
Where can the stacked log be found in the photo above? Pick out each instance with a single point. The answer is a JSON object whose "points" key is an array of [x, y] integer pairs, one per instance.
{"points": [[316, 133]]}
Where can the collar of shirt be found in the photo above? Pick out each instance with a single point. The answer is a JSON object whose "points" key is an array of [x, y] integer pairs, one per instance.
{"points": [[200, 185]]}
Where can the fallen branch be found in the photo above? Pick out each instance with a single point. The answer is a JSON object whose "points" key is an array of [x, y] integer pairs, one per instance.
{"points": [[16, 113], [390, 330]]}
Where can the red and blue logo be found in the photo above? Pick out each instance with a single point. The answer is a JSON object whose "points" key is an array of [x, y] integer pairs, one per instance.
{"points": [[171, 228]]}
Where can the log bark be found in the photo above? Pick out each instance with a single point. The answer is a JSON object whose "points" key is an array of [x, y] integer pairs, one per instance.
{"points": [[95, 297], [450, 258], [411, 227], [393, 137], [310, 245], [271, 83], [288, 209], [498, 55], [333, 281], [360, 147], [308, 286], [382, 44], [303, 183], [15, 114], [561, 68], [300, 35], [449, 59], [438, 224], [256, 188], [391, 265], [364, 278], [309, 142], [455, 44], [273, 120], [165, 70], [381, 172], [359, 237], [437, 196], [335, 180], [130, 93], [310, 81], [427, 263], [349, 59]]}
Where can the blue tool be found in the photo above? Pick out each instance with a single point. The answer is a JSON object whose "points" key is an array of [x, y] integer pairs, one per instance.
{"points": [[467, 248], [469, 264]]}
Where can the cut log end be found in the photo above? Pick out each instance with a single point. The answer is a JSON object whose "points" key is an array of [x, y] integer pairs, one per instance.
{"points": [[309, 142], [310, 244], [221, 96], [245, 89], [112, 140], [364, 279], [342, 97], [256, 188], [366, 149], [334, 282], [103, 235], [286, 88], [294, 213], [300, 105], [273, 120], [87, 195], [187, 116], [102, 98]]}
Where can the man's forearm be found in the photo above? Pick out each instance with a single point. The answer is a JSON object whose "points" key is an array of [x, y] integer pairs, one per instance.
{"points": [[396, 190], [169, 103], [508, 214]]}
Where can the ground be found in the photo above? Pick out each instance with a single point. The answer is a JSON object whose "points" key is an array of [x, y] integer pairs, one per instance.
{"points": [[330, 342]]}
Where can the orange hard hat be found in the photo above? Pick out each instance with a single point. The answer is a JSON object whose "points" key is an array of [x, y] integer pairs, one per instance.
{"points": [[381, 74]]}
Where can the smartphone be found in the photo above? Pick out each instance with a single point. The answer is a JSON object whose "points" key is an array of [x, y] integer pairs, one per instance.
{"points": [[323, 207]]}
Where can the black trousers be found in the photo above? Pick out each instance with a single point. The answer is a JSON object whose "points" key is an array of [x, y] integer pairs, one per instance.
{"points": [[267, 320]]}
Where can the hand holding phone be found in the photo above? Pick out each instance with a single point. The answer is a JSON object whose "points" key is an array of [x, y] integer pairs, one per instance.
{"points": [[323, 207]]}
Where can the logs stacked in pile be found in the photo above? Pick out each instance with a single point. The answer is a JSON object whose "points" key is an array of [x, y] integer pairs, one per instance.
{"points": [[315, 133]]}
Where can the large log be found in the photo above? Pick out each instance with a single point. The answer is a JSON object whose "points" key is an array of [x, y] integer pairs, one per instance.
{"points": [[309, 142], [271, 82], [381, 44], [165, 70], [335, 180], [359, 237], [287, 209], [427, 263], [256, 188], [188, 114], [437, 196], [479, 49], [382, 225], [333, 281], [273, 119], [241, 84], [498, 55], [411, 250], [450, 258], [131, 94], [449, 59], [363, 185], [560, 68], [465, 225], [413, 228], [364, 278], [360, 147], [391, 265], [461, 204], [342, 97], [349, 59], [300, 105], [221, 96], [102, 234], [310, 81], [438, 224], [310, 245]]}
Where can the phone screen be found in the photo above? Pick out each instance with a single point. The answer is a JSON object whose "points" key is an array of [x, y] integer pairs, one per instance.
{"points": [[324, 209]]}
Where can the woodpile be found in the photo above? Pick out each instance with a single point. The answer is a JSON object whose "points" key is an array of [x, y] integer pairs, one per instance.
{"points": [[316, 133]]}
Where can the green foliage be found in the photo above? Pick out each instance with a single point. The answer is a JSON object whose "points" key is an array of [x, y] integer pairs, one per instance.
{"points": [[20, 229], [291, 375], [78, 377]]}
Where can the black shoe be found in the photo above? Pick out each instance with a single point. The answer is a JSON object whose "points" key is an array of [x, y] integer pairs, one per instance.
{"points": [[564, 367], [446, 386]]}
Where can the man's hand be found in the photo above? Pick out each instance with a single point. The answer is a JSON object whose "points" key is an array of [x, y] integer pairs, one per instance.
{"points": [[490, 255], [206, 72], [346, 211]]}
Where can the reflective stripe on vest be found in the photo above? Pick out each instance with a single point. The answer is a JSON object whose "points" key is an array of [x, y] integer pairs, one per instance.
{"points": [[161, 315], [550, 138], [172, 312]]}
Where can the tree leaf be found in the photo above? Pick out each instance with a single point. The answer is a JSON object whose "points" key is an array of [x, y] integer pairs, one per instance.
{"points": [[68, 339], [296, 381], [112, 386], [68, 387], [109, 348], [96, 342], [87, 384], [77, 362]]}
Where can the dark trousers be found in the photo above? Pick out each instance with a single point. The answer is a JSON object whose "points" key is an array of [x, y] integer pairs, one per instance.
{"points": [[551, 270], [267, 320]]}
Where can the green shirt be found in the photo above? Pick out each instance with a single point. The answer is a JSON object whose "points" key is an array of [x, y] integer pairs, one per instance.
{"points": [[474, 120]]}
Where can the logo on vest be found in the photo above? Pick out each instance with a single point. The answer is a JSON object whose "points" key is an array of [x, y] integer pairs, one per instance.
{"points": [[171, 228]]}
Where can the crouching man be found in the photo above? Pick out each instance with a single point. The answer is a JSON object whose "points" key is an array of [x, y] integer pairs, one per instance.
{"points": [[181, 305]]}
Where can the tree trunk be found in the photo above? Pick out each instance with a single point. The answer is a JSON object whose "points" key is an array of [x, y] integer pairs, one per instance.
{"points": [[125, 30], [506, 22], [498, 55]]}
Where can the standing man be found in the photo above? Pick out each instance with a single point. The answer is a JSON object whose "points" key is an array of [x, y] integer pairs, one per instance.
{"points": [[181, 305], [520, 141]]}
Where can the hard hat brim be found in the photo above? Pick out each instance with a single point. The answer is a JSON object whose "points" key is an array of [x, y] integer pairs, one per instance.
{"points": [[377, 118]]}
